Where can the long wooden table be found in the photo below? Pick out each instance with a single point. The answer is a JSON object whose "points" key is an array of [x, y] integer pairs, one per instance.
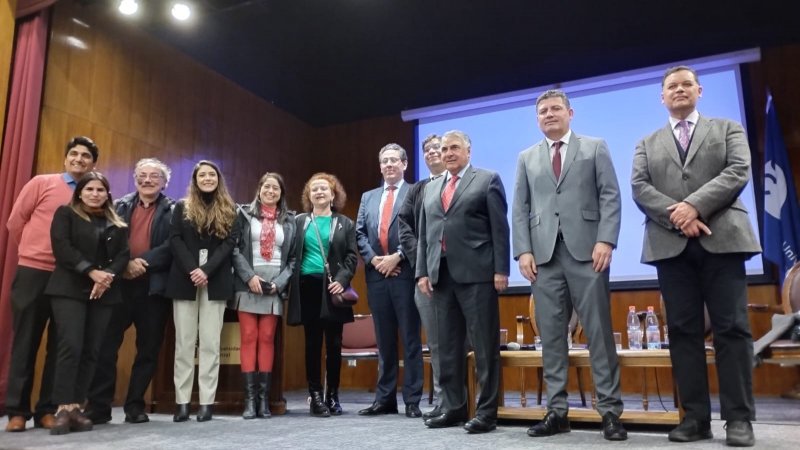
{"points": [[580, 358]]}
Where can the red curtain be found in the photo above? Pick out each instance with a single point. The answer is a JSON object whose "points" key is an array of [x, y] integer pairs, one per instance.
{"points": [[17, 157]]}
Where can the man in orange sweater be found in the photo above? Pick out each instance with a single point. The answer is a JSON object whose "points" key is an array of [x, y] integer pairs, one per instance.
{"points": [[29, 227]]}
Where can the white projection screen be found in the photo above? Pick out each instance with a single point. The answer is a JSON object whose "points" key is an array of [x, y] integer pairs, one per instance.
{"points": [[620, 108]]}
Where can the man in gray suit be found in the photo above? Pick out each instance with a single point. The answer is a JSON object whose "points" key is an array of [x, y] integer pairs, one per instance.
{"points": [[686, 179], [566, 219], [462, 265], [390, 287]]}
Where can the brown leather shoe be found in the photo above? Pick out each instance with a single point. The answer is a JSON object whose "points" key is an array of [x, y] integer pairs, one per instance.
{"points": [[79, 422], [16, 423], [46, 421], [61, 423]]}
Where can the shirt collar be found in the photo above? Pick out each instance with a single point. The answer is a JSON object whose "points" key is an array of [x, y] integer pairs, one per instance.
{"points": [[691, 118], [460, 173], [69, 180], [399, 184], [564, 139]]}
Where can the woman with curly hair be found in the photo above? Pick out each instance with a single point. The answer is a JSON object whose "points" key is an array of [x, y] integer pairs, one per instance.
{"points": [[309, 301], [202, 237]]}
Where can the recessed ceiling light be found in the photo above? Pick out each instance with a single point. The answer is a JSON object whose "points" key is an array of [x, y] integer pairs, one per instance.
{"points": [[181, 11], [128, 7]]}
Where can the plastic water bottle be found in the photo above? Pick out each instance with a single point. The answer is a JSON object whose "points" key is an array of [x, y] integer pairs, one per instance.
{"points": [[653, 330], [634, 330]]}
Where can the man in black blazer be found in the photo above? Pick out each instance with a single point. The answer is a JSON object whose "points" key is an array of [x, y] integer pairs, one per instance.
{"points": [[390, 287], [148, 212], [408, 219], [462, 264]]}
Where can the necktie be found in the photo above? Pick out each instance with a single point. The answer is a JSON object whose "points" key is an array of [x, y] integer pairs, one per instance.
{"points": [[449, 190], [683, 135], [557, 159], [386, 219]]}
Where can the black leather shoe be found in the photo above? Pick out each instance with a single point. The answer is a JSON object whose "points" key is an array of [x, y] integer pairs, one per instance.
{"points": [[613, 429], [332, 402], [97, 416], [448, 419], [204, 414], [691, 430], [480, 425], [317, 406], [435, 412], [378, 408], [550, 425], [739, 434], [136, 417], [181, 413], [412, 410]]}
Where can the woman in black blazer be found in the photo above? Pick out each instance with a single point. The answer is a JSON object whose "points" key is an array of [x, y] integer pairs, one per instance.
{"points": [[202, 237], [309, 300], [90, 244], [263, 261]]}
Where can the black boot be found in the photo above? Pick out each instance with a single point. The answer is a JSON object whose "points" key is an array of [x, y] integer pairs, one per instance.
{"points": [[332, 402], [318, 407], [205, 413], [249, 395], [264, 382]]}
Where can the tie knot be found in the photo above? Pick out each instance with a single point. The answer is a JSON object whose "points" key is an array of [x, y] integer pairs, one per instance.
{"points": [[453, 179], [683, 124], [557, 145], [391, 188]]}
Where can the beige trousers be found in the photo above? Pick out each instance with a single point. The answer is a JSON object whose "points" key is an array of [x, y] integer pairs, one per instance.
{"points": [[207, 315]]}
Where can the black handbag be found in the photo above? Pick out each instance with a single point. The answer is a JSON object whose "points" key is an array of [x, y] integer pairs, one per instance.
{"points": [[345, 299]]}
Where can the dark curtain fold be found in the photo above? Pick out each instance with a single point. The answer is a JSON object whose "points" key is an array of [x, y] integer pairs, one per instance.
{"points": [[17, 157]]}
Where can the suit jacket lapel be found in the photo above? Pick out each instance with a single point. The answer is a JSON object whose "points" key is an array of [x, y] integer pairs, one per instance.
{"points": [[545, 162], [572, 151], [700, 132], [399, 199], [667, 140], [469, 175]]}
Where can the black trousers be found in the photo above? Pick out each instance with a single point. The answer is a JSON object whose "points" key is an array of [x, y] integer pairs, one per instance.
{"points": [[467, 310], [31, 311], [315, 329], [148, 313], [80, 330], [688, 281]]}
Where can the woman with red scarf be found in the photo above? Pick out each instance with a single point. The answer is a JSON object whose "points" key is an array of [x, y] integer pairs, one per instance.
{"points": [[263, 261]]}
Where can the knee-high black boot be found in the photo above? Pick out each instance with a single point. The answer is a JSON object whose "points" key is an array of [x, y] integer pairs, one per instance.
{"points": [[264, 382], [249, 395]]}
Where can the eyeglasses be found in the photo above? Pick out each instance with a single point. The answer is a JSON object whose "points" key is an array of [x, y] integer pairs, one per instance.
{"points": [[431, 148], [152, 176]]}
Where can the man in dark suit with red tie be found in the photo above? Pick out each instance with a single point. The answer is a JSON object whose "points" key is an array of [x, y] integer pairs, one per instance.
{"points": [[390, 287], [462, 264]]}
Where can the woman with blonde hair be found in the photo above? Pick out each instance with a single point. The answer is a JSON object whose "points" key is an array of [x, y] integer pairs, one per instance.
{"points": [[326, 243], [202, 237], [90, 246], [263, 261]]}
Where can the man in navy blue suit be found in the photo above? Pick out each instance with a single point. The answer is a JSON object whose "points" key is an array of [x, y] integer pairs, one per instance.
{"points": [[390, 287]]}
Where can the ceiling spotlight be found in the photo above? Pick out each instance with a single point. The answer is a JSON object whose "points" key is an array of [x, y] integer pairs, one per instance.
{"points": [[128, 7], [181, 11]]}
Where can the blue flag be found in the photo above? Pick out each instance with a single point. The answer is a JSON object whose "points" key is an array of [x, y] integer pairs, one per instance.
{"points": [[781, 212]]}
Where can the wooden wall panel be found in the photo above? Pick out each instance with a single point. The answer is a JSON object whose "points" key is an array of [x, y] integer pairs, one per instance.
{"points": [[7, 30], [137, 97]]}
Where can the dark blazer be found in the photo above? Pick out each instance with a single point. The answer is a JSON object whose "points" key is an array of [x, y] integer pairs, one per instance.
{"points": [[475, 227], [243, 253], [75, 246], [367, 238], [186, 243], [408, 221], [342, 259], [159, 257]]}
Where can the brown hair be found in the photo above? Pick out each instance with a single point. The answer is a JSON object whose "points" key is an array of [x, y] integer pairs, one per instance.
{"points": [[215, 217], [672, 70], [339, 195]]}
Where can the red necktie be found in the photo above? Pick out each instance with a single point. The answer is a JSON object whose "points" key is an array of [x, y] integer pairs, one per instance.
{"points": [[449, 190], [386, 219], [557, 159]]}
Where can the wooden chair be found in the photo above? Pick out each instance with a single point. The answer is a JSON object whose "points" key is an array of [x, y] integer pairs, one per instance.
{"points": [[575, 330], [785, 352]]}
